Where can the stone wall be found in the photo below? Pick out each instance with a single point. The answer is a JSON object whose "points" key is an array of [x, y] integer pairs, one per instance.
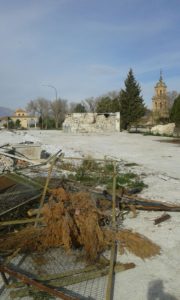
{"points": [[92, 122]]}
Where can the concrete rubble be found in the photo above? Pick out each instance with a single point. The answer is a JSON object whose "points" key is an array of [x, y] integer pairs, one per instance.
{"points": [[167, 129], [6, 163], [158, 164], [92, 122]]}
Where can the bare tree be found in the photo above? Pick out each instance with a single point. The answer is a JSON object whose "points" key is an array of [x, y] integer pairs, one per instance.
{"points": [[90, 104], [59, 108], [172, 95], [40, 106], [32, 107]]}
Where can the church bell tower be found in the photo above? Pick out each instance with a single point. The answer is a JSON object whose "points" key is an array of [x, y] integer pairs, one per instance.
{"points": [[160, 105]]}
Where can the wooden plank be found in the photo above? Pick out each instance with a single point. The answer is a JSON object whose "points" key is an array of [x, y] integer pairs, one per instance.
{"points": [[22, 221], [161, 219]]}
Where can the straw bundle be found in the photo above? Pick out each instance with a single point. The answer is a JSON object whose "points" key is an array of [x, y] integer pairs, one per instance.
{"points": [[73, 220], [137, 244]]}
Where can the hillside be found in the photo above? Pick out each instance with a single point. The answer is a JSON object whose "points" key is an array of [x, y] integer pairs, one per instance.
{"points": [[4, 111]]}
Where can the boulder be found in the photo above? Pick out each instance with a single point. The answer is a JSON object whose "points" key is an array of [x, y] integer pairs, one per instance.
{"points": [[167, 129]]}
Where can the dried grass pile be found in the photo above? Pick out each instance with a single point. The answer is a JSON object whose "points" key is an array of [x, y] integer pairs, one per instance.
{"points": [[137, 244], [72, 220]]}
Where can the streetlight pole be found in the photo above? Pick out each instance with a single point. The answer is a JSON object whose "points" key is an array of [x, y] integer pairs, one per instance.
{"points": [[53, 87]]}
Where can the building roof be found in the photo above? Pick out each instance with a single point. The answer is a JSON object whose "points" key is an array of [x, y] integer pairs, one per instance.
{"points": [[20, 110]]}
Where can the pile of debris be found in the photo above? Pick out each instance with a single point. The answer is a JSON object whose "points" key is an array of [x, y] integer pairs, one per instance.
{"points": [[6, 163], [72, 220]]}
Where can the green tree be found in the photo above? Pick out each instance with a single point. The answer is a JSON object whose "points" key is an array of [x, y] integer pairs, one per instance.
{"points": [[108, 103], [11, 124], [18, 124], [132, 106], [80, 108], [104, 105], [175, 112]]}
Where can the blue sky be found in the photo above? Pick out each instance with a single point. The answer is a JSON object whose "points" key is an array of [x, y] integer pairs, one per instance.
{"points": [[86, 47]]}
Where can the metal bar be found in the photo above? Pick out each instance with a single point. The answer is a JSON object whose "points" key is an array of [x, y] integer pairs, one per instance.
{"points": [[40, 286]]}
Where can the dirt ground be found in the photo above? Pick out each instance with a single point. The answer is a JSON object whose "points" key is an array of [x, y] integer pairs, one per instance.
{"points": [[159, 163]]}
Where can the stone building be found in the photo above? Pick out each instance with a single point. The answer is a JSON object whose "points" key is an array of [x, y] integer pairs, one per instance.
{"points": [[160, 104], [26, 120], [92, 122]]}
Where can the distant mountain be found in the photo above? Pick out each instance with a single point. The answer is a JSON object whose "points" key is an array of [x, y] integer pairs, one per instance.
{"points": [[4, 111]]}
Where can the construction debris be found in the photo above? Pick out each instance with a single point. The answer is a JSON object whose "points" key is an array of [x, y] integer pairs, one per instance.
{"points": [[49, 283], [137, 244], [30, 281], [125, 201], [73, 220], [6, 163], [162, 218]]}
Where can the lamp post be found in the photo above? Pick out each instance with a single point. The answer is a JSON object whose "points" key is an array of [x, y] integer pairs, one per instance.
{"points": [[53, 87]]}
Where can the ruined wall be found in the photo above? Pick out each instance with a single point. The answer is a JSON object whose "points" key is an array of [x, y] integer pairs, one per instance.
{"points": [[92, 122]]}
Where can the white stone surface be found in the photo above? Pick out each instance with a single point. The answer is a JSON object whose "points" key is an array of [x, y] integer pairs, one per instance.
{"points": [[159, 163], [167, 129]]}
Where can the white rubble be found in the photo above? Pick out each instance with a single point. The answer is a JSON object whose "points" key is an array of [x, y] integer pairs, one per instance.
{"points": [[6, 163], [167, 129], [158, 163], [92, 122]]}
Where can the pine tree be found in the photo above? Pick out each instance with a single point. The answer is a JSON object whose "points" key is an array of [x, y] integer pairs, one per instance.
{"points": [[175, 112], [132, 106]]}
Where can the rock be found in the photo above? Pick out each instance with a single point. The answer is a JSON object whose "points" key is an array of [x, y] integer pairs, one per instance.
{"points": [[167, 129], [6, 163]]}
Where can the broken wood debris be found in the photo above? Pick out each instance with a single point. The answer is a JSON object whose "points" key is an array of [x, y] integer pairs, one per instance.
{"points": [[22, 221], [17, 157], [162, 218], [143, 204], [73, 220], [31, 281], [77, 276]]}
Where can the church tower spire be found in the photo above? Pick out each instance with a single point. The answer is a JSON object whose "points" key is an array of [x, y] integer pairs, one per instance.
{"points": [[160, 100]]}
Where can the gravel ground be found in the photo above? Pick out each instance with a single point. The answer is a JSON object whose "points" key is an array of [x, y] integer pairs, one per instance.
{"points": [[159, 163]]}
